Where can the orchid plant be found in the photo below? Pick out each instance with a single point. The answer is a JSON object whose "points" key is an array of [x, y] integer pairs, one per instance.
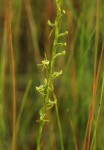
{"points": [[47, 88]]}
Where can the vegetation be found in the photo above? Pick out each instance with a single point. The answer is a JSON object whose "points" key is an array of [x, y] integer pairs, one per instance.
{"points": [[68, 112]]}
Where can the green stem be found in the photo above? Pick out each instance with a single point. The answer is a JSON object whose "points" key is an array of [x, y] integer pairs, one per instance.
{"points": [[40, 134], [22, 108], [22, 105], [59, 126], [58, 121], [98, 114]]}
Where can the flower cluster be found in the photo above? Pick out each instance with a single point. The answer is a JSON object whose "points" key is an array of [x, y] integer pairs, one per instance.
{"points": [[44, 64], [47, 88], [49, 65]]}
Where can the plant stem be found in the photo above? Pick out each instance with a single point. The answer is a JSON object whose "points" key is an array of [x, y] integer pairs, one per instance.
{"points": [[13, 74], [58, 121], [98, 114], [22, 107], [39, 135], [59, 126]]}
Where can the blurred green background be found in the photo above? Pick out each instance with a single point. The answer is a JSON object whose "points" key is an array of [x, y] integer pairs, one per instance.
{"points": [[73, 89]]}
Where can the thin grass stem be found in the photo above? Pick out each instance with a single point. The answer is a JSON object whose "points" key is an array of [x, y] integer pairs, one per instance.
{"points": [[13, 74], [22, 106]]}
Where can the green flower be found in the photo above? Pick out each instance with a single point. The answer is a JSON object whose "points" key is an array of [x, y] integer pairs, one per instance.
{"points": [[44, 63]]}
